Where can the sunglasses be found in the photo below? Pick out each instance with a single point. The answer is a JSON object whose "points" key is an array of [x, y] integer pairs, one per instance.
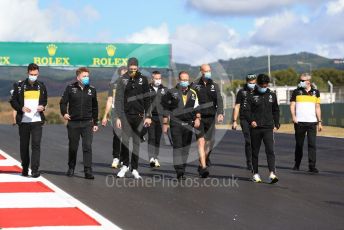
{"points": [[251, 76], [303, 80]]}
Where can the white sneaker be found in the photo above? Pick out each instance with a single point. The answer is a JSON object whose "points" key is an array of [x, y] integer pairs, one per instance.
{"points": [[256, 178], [157, 164], [123, 171], [136, 174], [273, 178], [115, 163], [152, 162]]}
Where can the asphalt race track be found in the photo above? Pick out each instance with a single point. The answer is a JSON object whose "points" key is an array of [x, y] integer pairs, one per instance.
{"points": [[298, 201]]}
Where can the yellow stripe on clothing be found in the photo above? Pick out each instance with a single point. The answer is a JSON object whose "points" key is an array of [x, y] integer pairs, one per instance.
{"points": [[307, 98], [193, 92], [31, 95], [184, 98]]}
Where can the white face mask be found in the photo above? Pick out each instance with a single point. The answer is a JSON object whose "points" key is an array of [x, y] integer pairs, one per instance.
{"points": [[32, 78], [157, 82], [302, 84]]}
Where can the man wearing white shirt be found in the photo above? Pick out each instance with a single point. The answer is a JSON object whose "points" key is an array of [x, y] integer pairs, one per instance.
{"points": [[306, 115]]}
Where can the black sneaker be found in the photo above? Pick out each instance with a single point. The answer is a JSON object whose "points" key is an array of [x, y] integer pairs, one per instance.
{"points": [[204, 172], [180, 176], [199, 168], [70, 172], [313, 170], [88, 173], [89, 176], [296, 168], [35, 174], [25, 172]]}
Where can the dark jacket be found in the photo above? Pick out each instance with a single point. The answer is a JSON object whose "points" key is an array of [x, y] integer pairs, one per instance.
{"points": [[80, 104], [209, 98], [241, 98], [17, 97], [173, 104], [155, 98], [132, 96], [263, 109]]}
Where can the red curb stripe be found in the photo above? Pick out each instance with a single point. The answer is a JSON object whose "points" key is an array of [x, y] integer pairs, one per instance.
{"points": [[2, 157], [36, 217], [10, 169], [15, 187]]}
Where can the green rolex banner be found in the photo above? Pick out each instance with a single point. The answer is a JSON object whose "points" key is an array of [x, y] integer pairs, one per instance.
{"points": [[83, 54]]}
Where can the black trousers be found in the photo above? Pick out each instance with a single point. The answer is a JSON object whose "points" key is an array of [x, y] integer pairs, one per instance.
{"points": [[181, 138], [131, 128], [300, 132], [77, 129], [116, 144], [245, 126], [31, 131], [154, 137], [267, 136]]}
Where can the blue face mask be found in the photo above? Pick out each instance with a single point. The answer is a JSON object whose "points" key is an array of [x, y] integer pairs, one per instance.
{"points": [[251, 85], [302, 84], [261, 89], [32, 78], [85, 81], [184, 84], [207, 75]]}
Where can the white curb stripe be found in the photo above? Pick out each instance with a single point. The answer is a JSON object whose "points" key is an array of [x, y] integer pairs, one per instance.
{"points": [[29, 200], [61, 195]]}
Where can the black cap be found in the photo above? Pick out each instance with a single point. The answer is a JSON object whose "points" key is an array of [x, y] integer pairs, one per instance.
{"points": [[262, 79], [133, 61]]}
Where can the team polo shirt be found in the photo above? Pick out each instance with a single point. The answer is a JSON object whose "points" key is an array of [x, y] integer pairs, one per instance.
{"points": [[31, 101], [305, 104]]}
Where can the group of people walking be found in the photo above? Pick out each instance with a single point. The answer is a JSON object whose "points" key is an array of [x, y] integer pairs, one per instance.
{"points": [[137, 105], [257, 109]]}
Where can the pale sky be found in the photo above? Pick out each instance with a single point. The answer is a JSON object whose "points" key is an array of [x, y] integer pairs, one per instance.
{"points": [[199, 30]]}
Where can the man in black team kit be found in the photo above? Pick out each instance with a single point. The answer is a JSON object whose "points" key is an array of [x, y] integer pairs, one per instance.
{"points": [[156, 90], [210, 105], [29, 99], [262, 113], [132, 108], [241, 98], [110, 103], [181, 103], [79, 106]]}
